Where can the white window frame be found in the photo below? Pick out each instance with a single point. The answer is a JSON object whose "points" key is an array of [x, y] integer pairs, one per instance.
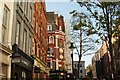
{"points": [[17, 34], [49, 27], [51, 39]]}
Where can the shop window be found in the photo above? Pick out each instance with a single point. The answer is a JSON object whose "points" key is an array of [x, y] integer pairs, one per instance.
{"points": [[23, 75]]}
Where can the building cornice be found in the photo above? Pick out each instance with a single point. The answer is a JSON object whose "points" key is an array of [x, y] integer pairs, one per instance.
{"points": [[6, 49]]}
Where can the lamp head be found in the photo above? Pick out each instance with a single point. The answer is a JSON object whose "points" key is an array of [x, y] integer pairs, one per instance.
{"points": [[71, 46]]}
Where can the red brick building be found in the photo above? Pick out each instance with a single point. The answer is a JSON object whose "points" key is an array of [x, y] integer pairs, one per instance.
{"points": [[101, 63], [40, 41], [56, 39]]}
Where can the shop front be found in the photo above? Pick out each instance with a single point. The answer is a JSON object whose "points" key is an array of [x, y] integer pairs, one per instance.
{"points": [[5, 53], [58, 74], [40, 70], [21, 65]]}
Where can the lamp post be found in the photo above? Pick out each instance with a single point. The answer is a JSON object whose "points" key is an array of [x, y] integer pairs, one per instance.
{"points": [[15, 59], [72, 48]]}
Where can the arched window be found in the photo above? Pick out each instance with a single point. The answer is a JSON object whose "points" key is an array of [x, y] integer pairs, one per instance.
{"points": [[51, 39]]}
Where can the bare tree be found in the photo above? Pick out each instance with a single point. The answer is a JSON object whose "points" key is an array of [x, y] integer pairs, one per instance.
{"points": [[107, 20], [86, 43]]}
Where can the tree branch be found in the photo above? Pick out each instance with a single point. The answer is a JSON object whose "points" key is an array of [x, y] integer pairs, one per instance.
{"points": [[87, 50]]}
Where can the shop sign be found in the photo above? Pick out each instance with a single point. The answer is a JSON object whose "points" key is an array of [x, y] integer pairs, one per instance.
{"points": [[25, 62], [37, 70]]}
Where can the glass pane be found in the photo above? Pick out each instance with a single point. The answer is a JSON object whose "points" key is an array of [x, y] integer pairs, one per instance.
{"points": [[30, 44], [23, 75], [3, 34], [17, 38], [24, 40], [5, 15]]}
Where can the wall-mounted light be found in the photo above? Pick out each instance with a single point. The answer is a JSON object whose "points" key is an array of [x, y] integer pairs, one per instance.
{"points": [[16, 58]]}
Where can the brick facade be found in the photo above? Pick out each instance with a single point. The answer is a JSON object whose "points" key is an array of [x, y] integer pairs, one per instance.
{"points": [[56, 38], [40, 39]]}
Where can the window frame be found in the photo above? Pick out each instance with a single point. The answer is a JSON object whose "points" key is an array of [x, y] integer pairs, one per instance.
{"points": [[25, 40], [30, 45], [5, 23], [17, 33], [49, 27], [51, 39], [31, 13]]}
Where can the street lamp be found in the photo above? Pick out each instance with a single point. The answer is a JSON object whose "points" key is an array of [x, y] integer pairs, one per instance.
{"points": [[72, 48], [16, 58]]}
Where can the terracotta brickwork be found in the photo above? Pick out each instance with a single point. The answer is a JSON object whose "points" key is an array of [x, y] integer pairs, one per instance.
{"points": [[56, 39], [40, 38]]}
